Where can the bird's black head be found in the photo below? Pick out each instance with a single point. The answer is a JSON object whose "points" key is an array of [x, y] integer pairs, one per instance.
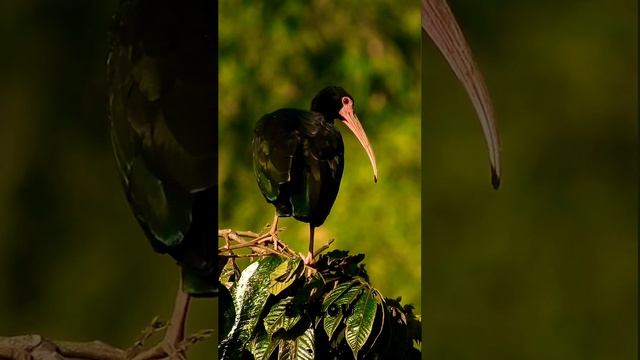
{"points": [[333, 102], [329, 102]]}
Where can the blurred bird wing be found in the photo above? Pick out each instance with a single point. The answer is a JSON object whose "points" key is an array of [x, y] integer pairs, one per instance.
{"points": [[442, 28], [161, 76]]}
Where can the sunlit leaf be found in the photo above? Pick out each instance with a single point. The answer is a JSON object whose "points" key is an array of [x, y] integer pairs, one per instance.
{"points": [[283, 315], [249, 294], [229, 273], [300, 348], [284, 275], [331, 323], [344, 298], [262, 345], [336, 293], [360, 322]]}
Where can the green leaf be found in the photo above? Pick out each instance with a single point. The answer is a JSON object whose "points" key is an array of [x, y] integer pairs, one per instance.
{"points": [[331, 323], [336, 293], [249, 294], [262, 346], [360, 322], [228, 274], [284, 275], [300, 348], [343, 294], [281, 318], [226, 310]]}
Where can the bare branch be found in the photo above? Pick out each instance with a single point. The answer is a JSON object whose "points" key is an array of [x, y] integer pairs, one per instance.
{"points": [[260, 245], [36, 347]]}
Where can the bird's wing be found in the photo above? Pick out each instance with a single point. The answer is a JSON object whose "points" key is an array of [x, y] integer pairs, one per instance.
{"points": [[136, 119], [323, 152], [298, 161], [275, 142], [161, 75]]}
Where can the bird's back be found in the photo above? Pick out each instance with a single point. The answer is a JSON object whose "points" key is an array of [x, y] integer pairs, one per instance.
{"points": [[298, 160], [162, 107]]}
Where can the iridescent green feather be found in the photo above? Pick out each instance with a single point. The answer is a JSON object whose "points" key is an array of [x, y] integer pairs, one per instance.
{"points": [[161, 72], [298, 161]]}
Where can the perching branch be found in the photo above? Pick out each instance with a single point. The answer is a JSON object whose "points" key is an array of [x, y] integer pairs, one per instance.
{"points": [[36, 347], [260, 245]]}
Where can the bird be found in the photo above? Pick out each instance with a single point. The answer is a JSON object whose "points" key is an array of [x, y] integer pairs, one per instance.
{"points": [[441, 26], [298, 158], [161, 74]]}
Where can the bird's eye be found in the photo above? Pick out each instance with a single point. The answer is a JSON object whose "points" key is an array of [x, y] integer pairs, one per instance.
{"points": [[346, 100]]}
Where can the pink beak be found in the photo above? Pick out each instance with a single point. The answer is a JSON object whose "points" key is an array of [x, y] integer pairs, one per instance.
{"points": [[442, 28], [351, 120]]}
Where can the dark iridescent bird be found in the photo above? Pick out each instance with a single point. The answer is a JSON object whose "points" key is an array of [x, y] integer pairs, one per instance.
{"points": [[162, 82], [439, 23], [298, 157]]}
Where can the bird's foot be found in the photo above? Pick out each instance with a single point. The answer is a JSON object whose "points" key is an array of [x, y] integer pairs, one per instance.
{"points": [[277, 244], [164, 351], [308, 259], [271, 236], [273, 231], [137, 351], [309, 264]]}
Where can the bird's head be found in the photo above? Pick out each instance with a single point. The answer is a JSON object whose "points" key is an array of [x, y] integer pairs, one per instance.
{"points": [[333, 102]]}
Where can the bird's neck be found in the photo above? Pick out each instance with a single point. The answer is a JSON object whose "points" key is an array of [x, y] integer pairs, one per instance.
{"points": [[328, 118]]}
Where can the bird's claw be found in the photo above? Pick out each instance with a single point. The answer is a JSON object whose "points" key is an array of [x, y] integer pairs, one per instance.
{"points": [[276, 242], [196, 338], [167, 350], [309, 264], [174, 351], [307, 259]]}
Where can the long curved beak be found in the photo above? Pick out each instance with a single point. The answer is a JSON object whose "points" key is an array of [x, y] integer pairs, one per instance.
{"points": [[351, 120], [442, 28]]}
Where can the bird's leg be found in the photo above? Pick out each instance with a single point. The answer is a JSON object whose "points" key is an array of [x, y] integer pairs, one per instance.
{"points": [[309, 260], [274, 231], [177, 324], [171, 346]]}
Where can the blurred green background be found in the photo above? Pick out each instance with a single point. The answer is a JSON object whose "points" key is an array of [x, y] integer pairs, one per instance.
{"points": [[546, 267], [280, 55], [74, 263]]}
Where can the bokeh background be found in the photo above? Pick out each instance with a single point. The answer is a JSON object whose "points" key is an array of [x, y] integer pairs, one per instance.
{"points": [[74, 264], [546, 267], [280, 55]]}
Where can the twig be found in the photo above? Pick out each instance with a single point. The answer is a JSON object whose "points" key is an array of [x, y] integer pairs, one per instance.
{"points": [[259, 244], [324, 247]]}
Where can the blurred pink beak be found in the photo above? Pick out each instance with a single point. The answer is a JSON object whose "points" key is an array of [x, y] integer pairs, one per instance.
{"points": [[442, 28]]}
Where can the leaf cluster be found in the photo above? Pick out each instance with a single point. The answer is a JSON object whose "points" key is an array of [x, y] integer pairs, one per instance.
{"points": [[282, 309]]}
